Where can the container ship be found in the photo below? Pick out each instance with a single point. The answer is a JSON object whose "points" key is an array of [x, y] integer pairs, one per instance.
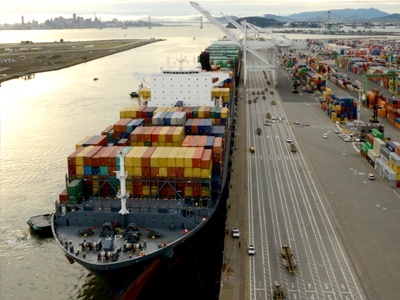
{"points": [[140, 190]]}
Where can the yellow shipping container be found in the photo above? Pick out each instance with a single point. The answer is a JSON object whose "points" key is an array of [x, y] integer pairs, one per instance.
{"points": [[206, 173], [188, 191], [180, 158], [137, 157], [133, 144], [201, 112], [129, 170], [81, 142], [177, 136], [163, 159], [140, 144], [162, 134], [80, 170], [129, 156], [155, 144], [153, 191], [160, 109], [80, 155], [130, 191], [95, 184], [172, 157], [155, 157], [224, 112], [137, 171], [168, 144], [146, 190], [189, 157], [163, 172], [188, 172], [197, 172], [205, 193]]}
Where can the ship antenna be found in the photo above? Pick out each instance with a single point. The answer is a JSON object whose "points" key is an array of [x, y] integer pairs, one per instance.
{"points": [[121, 175]]}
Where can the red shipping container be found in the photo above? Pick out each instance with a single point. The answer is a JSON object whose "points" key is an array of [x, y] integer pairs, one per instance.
{"points": [[180, 173], [206, 159], [107, 130], [96, 157], [139, 112], [171, 173], [63, 197], [154, 172], [87, 159], [207, 110], [217, 159], [156, 132], [195, 141], [198, 153], [71, 158], [148, 132], [168, 136], [145, 160], [112, 157], [146, 172], [195, 126], [370, 138], [71, 171], [112, 171], [100, 141], [189, 112], [137, 192], [123, 143], [134, 134], [104, 156]]}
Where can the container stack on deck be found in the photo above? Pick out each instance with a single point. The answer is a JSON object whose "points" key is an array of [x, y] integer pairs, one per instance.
{"points": [[169, 151]]}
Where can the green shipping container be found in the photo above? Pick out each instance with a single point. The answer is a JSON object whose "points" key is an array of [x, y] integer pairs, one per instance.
{"points": [[364, 147], [74, 187], [196, 111], [377, 133], [212, 112], [103, 171], [72, 199]]}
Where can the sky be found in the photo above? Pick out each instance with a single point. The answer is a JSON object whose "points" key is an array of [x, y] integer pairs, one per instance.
{"points": [[173, 10]]}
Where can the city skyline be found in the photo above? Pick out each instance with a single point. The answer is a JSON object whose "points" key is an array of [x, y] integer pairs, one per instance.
{"points": [[41, 10]]}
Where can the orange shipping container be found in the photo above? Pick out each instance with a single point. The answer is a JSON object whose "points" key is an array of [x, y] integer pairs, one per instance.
{"points": [[198, 153], [187, 141], [217, 146], [202, 141], [154, 135], [206, 159], [195, 141]]}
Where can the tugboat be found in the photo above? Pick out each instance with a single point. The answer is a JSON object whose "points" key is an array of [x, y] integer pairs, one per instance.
{"points": [[41, 224]]}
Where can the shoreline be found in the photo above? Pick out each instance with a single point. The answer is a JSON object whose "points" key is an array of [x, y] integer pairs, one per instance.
{"points": [[38, 61]]}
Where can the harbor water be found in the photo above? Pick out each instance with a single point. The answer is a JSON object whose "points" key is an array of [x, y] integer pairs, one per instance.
{"points": [[41, 121]]}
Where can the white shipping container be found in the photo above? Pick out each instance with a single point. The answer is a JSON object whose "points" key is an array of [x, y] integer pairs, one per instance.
{"points": [[156, 119], [378, 144], [372, 155], [379, 163], [178, 118], [388, 173], [395, 158]]}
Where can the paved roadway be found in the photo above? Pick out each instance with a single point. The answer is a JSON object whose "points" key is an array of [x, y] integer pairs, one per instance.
{"points": [[286, 206]]}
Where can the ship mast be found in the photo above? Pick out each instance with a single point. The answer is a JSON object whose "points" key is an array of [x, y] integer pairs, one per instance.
{"points": [[122, 175]]}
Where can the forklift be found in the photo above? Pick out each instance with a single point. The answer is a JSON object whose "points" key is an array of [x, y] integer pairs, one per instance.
{"points": [[374, 117]]}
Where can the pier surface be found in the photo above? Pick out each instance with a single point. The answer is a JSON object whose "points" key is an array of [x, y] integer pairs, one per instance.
{"points": [[341, 226]]}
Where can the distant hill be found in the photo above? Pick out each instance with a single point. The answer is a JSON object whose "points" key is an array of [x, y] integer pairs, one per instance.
{"points": [[225, 21], [390, 18], [278, 18], [364, 13], [258, 21]]}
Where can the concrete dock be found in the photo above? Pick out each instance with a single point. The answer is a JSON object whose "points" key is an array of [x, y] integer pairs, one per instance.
{"points": [[342, 227]]}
